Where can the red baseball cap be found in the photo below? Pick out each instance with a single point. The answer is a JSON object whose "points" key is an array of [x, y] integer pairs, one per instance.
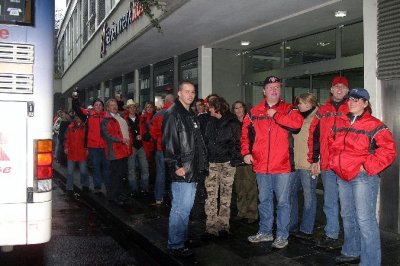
{"points": [[339, 79]]}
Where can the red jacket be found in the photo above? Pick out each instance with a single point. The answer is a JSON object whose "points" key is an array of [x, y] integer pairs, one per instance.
{"points": [[361, 141], [145, 125], [115, 146], [75, 142], [320, 130], [94, 138], [272, 150], [156, 123]]}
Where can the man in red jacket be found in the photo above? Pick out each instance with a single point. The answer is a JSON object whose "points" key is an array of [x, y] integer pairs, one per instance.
{"points": [[266, 143], [318, 153], [115, 132], [155, 131], [93, 140]]}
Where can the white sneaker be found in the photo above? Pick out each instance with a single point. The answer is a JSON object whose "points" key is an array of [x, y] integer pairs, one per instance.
{"points": [[260, 237], [280, 243]]}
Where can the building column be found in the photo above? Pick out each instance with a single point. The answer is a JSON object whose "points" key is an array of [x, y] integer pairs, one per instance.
{"points": [[205, 71], [136, 92], [176, 75], [102, 91], [151, 81]]}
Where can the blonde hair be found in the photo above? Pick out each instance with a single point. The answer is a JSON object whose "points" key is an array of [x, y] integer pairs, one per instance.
{"points": [[310, 98]]}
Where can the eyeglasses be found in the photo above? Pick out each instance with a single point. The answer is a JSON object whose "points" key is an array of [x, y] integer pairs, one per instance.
{"points": [[354, 99]]}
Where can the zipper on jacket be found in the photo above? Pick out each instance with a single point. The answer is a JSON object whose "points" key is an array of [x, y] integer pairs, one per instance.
{"points": [[344, 143], [269, 144]]}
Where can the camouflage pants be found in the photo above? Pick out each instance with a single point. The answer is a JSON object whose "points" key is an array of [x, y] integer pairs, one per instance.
{"points": [[219, 182], [246, 190]]}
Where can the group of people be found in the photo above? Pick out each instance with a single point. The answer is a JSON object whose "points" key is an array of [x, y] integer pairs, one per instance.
{"points": [[287, 147], [276, 148]]}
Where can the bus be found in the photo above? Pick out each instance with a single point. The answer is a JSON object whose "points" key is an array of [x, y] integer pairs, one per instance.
{"points": [[26, 109]]}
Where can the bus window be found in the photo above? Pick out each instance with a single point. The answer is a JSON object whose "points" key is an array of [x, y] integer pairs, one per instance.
{"points": [[17, 12]]}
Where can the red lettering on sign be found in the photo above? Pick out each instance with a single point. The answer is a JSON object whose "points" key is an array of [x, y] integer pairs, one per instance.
{"points": [[4, 34], [5, 170]]}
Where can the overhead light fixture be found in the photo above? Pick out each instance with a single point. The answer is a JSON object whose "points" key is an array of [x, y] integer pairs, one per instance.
{"points": [[323, 44], [245, 43], [340, 13]]}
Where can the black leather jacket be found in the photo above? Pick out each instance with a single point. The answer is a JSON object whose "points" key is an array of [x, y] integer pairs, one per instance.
{"points": [[183, 144]]}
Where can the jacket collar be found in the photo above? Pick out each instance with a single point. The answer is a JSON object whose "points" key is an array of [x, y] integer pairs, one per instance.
{"points": [[182, 109]]}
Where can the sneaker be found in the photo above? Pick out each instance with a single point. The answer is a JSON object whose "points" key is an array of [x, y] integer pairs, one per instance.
{"points": [[181, 252], [329, 243], [260, 237], [280, 243]]}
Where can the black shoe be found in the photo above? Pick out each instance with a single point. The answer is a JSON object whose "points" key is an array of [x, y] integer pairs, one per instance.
{"points": [[347, 259], [85, 189], [329, 243], [302, 235], [181, 252]]}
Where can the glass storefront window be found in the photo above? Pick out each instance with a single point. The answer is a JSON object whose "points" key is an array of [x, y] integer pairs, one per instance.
{"points": [[322, 86], [265, 59], [188, 70], [352, 39], [163, 74], [294, 87], [312, 48]]}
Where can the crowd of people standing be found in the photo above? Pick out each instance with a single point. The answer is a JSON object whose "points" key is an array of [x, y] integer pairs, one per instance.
{"points": [[206, 149]]}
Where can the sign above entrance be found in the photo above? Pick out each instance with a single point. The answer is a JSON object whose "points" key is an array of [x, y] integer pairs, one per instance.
{"points": [[109, 34]]}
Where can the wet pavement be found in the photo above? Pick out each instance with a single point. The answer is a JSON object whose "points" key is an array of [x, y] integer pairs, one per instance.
{"points": [[147, 225], [79, 237]]}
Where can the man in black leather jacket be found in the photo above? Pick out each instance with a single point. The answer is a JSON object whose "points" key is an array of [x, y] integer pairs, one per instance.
{"points": [[186, 155]]}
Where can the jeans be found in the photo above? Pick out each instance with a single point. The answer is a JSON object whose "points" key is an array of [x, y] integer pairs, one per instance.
{"points": [[101, 167], [182, 201], [140, 156], [159, 186], [82, 170], [302, 178], [267, 185], [358, 210], [331, 203]]}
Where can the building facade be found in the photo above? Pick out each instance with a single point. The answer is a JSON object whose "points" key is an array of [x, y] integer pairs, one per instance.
{"points": [[228, 47]]}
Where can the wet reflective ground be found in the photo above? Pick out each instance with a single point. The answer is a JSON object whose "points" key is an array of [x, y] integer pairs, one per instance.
{"points": [[79, 237]]}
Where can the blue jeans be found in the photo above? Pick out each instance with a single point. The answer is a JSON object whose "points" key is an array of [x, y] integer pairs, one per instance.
{"points": [[82, 170], [101, 167], [182, 202], [140, 156], [358, 210], [331, 203], [267, 185], [159, 186], [302, 178]]}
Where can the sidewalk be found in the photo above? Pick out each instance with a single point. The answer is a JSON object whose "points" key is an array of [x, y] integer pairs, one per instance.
{"points": [[148, 225]]}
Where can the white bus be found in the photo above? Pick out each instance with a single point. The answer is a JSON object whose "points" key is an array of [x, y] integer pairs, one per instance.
{"points": [[26, 107]]}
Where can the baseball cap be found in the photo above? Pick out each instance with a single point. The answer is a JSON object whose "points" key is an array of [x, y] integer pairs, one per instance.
{"points": [[339, 79], [271, 79], [359, 93]]}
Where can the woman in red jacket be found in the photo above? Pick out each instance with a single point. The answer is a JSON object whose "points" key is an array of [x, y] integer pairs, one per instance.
{"points": [[76, 152], [362, 146]]}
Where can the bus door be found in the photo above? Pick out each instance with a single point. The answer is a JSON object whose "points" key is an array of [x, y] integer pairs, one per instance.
{"points": [[13, 172]]}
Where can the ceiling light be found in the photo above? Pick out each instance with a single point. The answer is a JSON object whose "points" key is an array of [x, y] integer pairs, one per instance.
{"points": [[323, 44], [245, 43], [340, 14]]}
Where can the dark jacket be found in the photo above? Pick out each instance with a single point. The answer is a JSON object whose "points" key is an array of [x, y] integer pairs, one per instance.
{"points": [[222, 138], [183, 144], [134, 129]]}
